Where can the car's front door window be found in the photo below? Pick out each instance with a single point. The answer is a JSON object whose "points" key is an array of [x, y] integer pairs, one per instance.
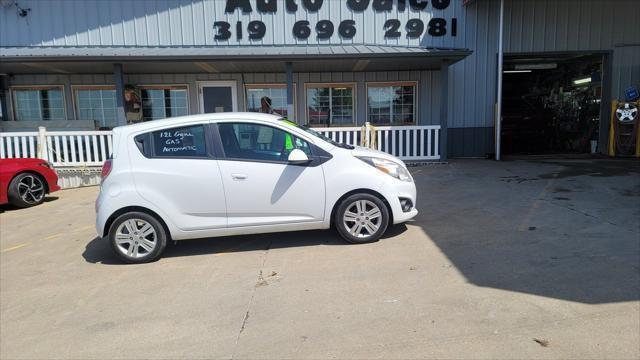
{"points": [[257, 142]]}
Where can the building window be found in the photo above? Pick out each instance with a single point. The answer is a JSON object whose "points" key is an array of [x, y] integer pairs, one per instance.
{"points": [[159, 102], [391, 103], [39, 103], [268, 98], [97, 103], [330, 104]]}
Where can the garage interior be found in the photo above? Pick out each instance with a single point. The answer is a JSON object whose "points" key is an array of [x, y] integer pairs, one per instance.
{"points": [[551, 104]]}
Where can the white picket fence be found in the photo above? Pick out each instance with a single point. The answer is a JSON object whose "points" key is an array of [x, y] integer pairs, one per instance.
{"points": [[410, 143], [62, 148], [92, 148]]}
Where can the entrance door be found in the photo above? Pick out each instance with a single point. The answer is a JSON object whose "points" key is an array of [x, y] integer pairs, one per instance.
{"points": [[218, 96]]}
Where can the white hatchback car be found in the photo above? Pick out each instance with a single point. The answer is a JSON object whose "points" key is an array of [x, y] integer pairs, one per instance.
{"points": [[242, 173]]}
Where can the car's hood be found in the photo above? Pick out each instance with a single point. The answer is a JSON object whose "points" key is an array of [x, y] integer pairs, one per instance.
{"points": [[363, 151]]}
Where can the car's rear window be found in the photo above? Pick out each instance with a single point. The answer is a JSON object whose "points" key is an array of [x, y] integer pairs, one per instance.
{"points": [[187, 141]]}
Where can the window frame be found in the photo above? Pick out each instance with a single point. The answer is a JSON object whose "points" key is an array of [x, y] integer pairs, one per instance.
{"points": [[223, 154], [270, 85], [76, 104], [352, 85], [163, 87], [150, 153], [14, 99], [383, 84]]}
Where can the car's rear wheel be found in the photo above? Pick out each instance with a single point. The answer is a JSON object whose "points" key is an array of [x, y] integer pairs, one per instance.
{"points": [[26, 189], [137, 237], [361, 218]]}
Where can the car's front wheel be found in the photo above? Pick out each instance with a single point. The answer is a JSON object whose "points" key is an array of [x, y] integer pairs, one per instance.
{"points": [[361, 218], [137, 237]]}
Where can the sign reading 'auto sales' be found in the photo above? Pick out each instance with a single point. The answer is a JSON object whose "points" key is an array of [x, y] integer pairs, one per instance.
{"points": [[346, 29]]}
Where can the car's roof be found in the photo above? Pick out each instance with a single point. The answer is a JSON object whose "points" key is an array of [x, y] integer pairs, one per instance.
{"points": [[202, 117]]}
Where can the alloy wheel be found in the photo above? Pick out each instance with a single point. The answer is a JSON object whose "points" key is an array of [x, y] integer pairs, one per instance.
{"points": [[31, 189], [136, 238], [362, 218]]}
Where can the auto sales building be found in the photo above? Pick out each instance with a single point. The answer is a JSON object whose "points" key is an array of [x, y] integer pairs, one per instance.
{"points": [[96, 64]]}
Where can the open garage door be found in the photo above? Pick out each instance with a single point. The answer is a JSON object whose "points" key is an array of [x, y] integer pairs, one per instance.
{"points": [[551, 104]]}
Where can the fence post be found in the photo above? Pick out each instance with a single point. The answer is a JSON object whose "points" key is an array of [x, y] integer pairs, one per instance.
{"points": [[367, 134], [42, 143]]}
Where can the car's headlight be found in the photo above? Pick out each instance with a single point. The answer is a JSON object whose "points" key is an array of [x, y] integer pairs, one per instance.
{"points": [[389, 167]]}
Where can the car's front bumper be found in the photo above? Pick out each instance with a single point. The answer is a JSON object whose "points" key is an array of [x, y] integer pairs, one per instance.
{"points": [[404, 216], [394, 191]]}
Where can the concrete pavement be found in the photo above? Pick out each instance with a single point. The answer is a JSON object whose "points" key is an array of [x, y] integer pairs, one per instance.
{"points": [[501, 255]]}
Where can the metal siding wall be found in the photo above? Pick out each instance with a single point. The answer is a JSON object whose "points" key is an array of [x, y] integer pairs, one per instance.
{"points": [[190, 22], [532, 26], [569, 25], [472, 87], [626, 69], [578, 25]]}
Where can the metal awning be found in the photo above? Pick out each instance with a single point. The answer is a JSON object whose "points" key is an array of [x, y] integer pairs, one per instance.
{"points": [[225, 59]]}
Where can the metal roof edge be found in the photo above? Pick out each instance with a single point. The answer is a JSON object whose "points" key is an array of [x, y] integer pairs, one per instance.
{"points": [[223, 46], [138, 56]]}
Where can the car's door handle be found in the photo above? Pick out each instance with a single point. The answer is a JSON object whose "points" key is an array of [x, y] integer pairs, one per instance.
{"points": [[239, 176]]}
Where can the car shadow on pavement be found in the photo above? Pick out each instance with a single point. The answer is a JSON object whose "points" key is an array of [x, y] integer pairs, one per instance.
{"points": [[99, 251], [9, 207]]}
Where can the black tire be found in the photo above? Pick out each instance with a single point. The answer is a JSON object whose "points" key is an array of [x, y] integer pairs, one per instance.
{"points": [[16, 190], [117, 235], [363, 234]]}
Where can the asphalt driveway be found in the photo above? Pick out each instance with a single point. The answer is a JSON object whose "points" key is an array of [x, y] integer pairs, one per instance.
{"points": [[519, 259]]}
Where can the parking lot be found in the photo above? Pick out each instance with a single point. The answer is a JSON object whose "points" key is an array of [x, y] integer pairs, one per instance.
{"points": [[518, 259]]}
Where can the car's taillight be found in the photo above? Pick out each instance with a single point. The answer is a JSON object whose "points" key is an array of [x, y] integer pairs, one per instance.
{"points": [[106, 169]]}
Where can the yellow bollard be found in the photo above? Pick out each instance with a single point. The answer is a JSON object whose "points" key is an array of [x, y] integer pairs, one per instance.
{"points": [[612, 128]]}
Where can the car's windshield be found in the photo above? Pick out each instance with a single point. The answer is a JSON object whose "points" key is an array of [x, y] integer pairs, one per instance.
{"points": [[309, 130]]}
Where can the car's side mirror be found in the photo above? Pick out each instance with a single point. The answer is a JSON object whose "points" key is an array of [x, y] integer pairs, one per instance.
{"points": [[297, 157]]}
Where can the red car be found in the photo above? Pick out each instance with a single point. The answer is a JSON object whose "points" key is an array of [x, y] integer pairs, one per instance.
{"points": [[24, 182]]}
